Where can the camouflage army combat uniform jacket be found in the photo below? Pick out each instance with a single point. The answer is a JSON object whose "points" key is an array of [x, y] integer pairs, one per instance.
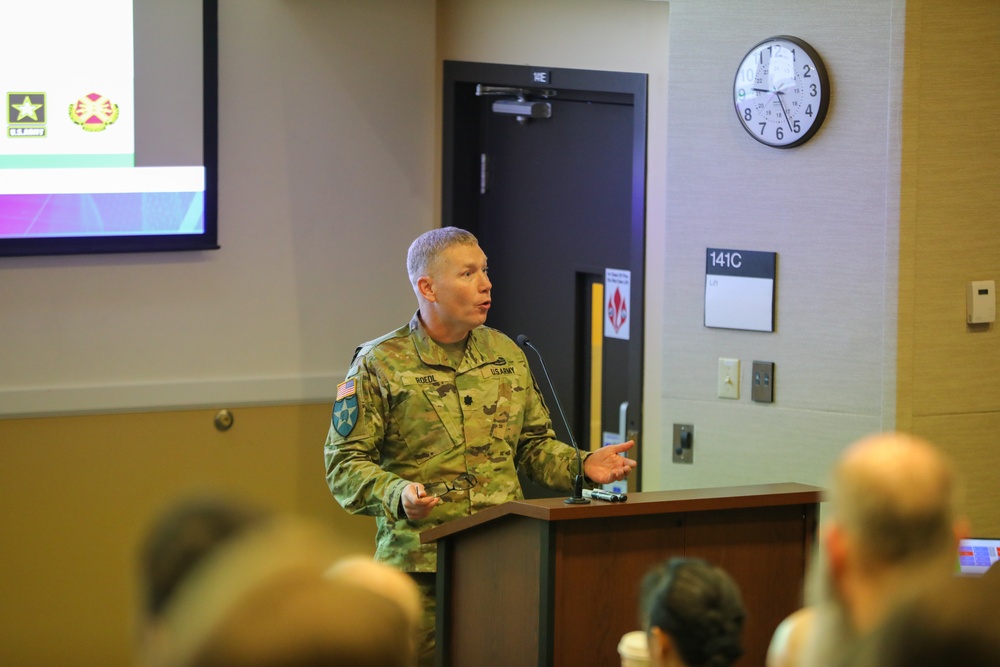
{"points": [[405, 414]]}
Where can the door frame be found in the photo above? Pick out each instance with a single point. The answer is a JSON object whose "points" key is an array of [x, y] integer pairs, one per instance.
{"points": [[460, 171]]}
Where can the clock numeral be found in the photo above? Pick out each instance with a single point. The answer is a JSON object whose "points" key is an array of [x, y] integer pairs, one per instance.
{"points": [[779, 133], [796, 128], [809, 110], [762, 126], [806, 69], [812, 90], [747, 114]]}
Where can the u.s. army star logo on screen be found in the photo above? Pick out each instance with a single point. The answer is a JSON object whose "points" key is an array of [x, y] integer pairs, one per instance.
{"points": [[345, 409], [26, 115]]}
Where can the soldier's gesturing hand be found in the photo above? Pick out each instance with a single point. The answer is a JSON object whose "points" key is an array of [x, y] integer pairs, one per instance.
{"points": [[605, 465], [416, 503]]}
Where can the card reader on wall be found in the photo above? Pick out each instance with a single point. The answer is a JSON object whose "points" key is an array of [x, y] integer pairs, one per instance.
{"points": [[981, 302]]}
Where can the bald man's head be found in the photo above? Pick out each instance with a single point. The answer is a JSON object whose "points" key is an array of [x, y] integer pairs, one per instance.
{"points": [[896, 495]]}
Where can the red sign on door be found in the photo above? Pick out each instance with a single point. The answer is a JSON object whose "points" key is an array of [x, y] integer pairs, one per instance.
{"points": [[617, 303]]}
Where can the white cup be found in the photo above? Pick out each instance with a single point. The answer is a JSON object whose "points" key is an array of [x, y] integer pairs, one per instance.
{"points": [[634, 649]]}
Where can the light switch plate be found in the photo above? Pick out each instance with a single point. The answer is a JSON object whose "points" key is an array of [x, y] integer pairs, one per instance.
{"points": [[729, 378]]}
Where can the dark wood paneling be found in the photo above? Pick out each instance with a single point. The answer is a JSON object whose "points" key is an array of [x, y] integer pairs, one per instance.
{"points": [[762, 549], [496, 575], [543, 583]]}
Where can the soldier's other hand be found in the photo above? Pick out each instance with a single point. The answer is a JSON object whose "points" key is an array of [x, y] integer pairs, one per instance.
{"points": [[416, 503], [605, 465]]}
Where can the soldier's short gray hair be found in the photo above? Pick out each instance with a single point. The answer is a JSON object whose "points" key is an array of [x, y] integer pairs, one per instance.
{"points": [[426, 248]]}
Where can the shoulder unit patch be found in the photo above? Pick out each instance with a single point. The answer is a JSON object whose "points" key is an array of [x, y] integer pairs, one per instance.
{"points": [[345, 409]]}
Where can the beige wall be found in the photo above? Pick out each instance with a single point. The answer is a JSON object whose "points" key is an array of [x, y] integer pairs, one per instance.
{"points": [[326, 174], [949, 372], [317, 208]]}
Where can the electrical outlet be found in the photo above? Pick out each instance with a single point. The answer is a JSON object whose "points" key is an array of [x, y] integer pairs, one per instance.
{"points": [[762, 377], [683, 450], [729, 378]]}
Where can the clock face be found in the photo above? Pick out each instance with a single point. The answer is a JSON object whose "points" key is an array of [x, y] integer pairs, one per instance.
{"points": [[781, 92]]}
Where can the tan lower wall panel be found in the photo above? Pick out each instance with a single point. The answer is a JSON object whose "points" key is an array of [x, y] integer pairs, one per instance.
{"points": [[973, 442], [78, 494]]}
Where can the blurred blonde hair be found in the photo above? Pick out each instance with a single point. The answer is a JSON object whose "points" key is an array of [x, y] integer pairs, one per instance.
{"points": [[265, 599]]}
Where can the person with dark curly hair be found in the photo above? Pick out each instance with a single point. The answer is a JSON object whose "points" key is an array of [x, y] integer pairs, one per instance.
{"points": [[693, 615]]}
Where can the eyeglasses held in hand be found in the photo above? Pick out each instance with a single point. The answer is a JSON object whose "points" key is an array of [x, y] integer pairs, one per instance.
{"points": [[463, 482]]}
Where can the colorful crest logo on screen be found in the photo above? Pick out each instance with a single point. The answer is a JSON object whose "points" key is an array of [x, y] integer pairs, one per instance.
{"points": [[93, 112]]}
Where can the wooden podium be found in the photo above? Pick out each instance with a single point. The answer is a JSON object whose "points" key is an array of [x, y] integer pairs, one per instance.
{"points": [[540, 582]]}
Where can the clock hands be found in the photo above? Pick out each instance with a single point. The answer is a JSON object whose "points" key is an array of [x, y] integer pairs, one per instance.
{"points": [[783, 110], [777, 93]]}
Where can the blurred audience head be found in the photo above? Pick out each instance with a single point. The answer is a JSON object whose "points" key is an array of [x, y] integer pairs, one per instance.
{"points": [[895, 522], [280, 593], [693, 614], [895, 503], [894, 528], [789, 638], [180, 538], [952, 623], [382, 579]]}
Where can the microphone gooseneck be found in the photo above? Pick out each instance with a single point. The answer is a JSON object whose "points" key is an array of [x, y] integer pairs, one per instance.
{"points": [[577, 497]]}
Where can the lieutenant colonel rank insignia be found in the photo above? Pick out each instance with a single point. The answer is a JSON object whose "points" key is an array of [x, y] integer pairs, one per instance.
{"points": [[345, 409]]}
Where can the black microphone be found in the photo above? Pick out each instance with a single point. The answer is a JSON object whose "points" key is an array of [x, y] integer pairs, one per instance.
{"points": [[577, 498]]}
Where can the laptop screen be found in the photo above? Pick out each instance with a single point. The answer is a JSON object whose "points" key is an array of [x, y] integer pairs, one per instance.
{"points": [[977, 554]]}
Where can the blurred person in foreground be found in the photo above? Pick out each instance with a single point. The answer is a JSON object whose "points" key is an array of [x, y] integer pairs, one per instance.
{"points": [[954, 622], [275, 596], [180, 538], [386, 581], [693, 615], [434, 420], [894, 529]]}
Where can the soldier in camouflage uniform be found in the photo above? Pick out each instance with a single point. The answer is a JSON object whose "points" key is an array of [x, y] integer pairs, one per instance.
{"points": [[435, 419]]}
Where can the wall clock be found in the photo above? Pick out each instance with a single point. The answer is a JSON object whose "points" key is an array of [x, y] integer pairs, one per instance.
{"points": [[781, 91]]}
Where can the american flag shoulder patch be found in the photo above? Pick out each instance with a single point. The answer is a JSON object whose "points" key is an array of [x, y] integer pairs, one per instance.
{"points": [[346, 389]]}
